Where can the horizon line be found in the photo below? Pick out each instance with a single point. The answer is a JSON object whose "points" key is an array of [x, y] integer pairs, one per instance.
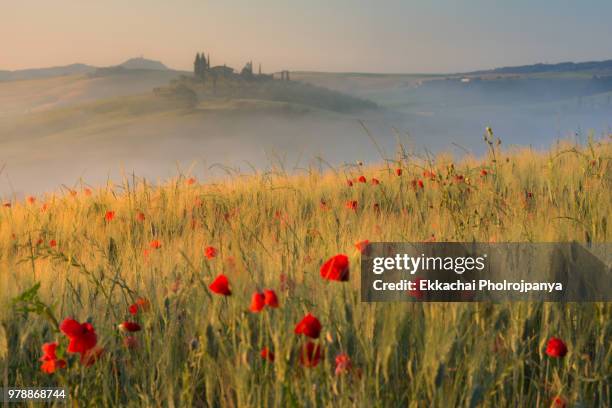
{"points": [[438, 73]]}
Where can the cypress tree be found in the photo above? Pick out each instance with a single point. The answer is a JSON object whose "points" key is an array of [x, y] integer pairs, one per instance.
{"points": [[196, 65], [205, 65]]}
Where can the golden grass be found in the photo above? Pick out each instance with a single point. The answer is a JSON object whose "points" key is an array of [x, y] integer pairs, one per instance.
{"points": [[199, 349]]}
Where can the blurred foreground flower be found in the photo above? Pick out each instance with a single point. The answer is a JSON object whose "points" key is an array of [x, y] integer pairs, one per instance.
{"points": [[210, 252], [556, 348], [351, 205], [266, 354], [336, 268], [343, 364], [558, 402], [50, 360], [270, 298], [309, 326], [129, 327], [82, 336], [310, 354], [362, 246], [83, 340], [258, 302], [220, 286], [140, 304]]}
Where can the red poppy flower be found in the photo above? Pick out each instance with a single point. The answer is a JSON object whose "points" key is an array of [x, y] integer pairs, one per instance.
{"points": [[87, 191], [141, 303], [258, 301], [398, 171], [420, 183], [375, 181], [82, 336], [190, 181], [556, 348], [362, 179], [558, 402], [266, 354], [50, 362], [336, 268], [31, 200], [155, 244], [343, 364], [483, 172], [362, 245], [349, 183], [130, 342], [129, 327], [53, 243], [109, 216], [351, 205], [133, 309], [270, 298], [310, 354], [210, 252], [140, 217], [220, 286], [309, 326]]}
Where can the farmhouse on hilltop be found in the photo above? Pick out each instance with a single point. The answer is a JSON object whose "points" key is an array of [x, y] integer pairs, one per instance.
{"points": [[203, 71]]}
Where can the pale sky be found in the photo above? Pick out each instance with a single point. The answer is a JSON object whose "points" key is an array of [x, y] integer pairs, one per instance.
{"points": [[322, 35]]}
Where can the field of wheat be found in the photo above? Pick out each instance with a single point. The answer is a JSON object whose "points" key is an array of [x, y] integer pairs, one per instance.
{"points": [[218, 294]]}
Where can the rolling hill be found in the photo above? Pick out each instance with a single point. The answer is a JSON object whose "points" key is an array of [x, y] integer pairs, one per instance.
{"points": [[603, 67], [25, 74], [138, 63]]}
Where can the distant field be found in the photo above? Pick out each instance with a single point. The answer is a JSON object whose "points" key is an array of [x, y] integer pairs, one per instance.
{"points": [[26, 96], [149, 254]]}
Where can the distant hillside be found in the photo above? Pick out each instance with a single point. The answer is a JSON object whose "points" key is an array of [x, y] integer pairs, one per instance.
{"points": [[292, 92], [23, 96], [544, 68], [35, 73], [143, 63], [79, 69]]}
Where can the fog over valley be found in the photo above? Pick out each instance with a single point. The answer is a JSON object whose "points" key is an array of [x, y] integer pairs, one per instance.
{"points": [[83, 124]]}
